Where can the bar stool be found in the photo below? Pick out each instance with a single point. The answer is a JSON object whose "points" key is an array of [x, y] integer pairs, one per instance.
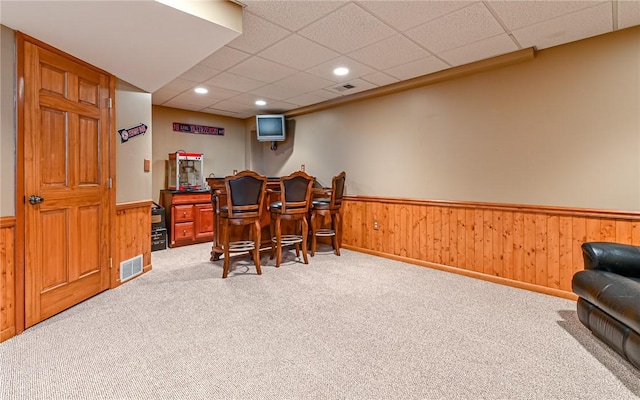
{"points": [[245, 196], [294, 205], [329, 206]]}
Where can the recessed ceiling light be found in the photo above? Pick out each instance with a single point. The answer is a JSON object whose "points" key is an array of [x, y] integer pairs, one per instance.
{"points": [[340, 71], [201, 90], [261, 103]]}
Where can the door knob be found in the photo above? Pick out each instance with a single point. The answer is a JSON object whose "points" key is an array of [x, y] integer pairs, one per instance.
{"points": [[34, 199]]}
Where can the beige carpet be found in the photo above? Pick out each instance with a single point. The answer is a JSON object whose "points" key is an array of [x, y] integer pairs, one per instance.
{"points": [[349, 327]]}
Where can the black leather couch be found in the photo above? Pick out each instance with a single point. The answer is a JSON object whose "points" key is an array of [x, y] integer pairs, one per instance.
{"points": [[609, 296]]}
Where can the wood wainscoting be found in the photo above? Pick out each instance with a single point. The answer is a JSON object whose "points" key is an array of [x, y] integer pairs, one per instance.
{"points": [[7, 278], [531, 247], [133, 236]]}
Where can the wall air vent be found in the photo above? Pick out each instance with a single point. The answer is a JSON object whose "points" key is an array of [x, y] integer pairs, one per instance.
{"points": [[130, 268], [342, 88]]}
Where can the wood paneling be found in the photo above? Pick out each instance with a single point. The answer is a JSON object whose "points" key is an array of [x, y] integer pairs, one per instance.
{"points": [[133, 236], [7, 278], [533, 247]]}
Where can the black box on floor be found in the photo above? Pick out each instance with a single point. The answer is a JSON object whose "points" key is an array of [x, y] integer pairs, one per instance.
{"points": [[158, 220], [159, 239]]}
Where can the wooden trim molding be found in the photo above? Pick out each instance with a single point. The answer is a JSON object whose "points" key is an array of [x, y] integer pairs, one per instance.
{"points": [[567, 211], [530, 247], [7, 222], [133, 205], [7, 278]]}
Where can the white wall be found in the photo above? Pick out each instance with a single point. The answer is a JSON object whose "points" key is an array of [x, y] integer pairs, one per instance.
{"points": [[560, 130], [133, 106], [7, 123]]}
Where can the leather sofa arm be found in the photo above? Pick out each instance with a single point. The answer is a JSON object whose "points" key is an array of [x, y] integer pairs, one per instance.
{"points": [[621, 259]]}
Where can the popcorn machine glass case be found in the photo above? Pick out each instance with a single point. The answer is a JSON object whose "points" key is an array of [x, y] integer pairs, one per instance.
{"points": [[184, 171]]}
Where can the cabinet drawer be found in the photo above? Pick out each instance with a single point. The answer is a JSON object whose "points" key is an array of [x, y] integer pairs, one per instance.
{"points": [[183, 230], [183, 213], [192, 198]]}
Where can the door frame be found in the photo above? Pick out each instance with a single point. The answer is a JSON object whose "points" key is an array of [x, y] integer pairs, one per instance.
{"points": [[21, 196]]}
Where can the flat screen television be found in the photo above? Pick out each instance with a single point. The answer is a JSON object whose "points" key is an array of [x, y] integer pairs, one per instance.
{"points": [[270, 128]]}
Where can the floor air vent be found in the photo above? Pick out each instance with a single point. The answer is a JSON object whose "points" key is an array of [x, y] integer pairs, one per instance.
{"points": [[130, 268]]}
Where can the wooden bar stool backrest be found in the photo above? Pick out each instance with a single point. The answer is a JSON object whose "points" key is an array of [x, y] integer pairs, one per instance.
{"points": [[296, 193], [337, 190], [329, 206], [294, 204], [245, 194], [245, 197]]}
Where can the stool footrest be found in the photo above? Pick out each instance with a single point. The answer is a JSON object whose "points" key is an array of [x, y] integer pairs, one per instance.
{"points": [[325, 232], [241, 245], [288, 239]]}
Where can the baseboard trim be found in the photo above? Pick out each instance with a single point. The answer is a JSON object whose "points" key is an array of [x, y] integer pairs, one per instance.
{"points": [[7, 334]]}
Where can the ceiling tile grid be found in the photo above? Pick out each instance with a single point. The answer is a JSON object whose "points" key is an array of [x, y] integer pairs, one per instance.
{"points": [[346, 29], [288, 49]]}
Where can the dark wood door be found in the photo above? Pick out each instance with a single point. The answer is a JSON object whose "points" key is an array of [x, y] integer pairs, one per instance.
{"points": [[66, 173]]}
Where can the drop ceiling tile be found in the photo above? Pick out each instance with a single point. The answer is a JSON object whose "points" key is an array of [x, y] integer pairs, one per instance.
{"points": [[276, 92], [568, 28], [380, 79], [162, 95], [249, 99], [178, 85], [216, 92], [234, 82], [262, 70], [279, 107], [628, 14], [360, 85], [481, 50], [304, 82], [325, 94], [226, 113], [347, 29], [389, 53], [518, 14], [232, 106], [403, 15], [199, 73], [292, 15], [300, 53], [414, 69], [257, 34], [183, 105], [194, 99], [459, 28], [306, 100], [224, 58], [325, 70]]}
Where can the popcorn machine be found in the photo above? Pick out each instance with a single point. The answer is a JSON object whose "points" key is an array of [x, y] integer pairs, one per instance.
{"points": [[184, 171]]}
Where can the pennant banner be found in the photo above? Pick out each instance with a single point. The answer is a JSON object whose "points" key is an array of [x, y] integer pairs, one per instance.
{"points": [[200, 129], [126, 134]]}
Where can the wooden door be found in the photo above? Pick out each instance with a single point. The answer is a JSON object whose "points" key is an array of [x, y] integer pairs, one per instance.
{"points": [[65, 160], [203, 221]]}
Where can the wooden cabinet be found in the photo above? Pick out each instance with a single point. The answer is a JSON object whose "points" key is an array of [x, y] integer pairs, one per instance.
{"points": [[189, 216]]}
